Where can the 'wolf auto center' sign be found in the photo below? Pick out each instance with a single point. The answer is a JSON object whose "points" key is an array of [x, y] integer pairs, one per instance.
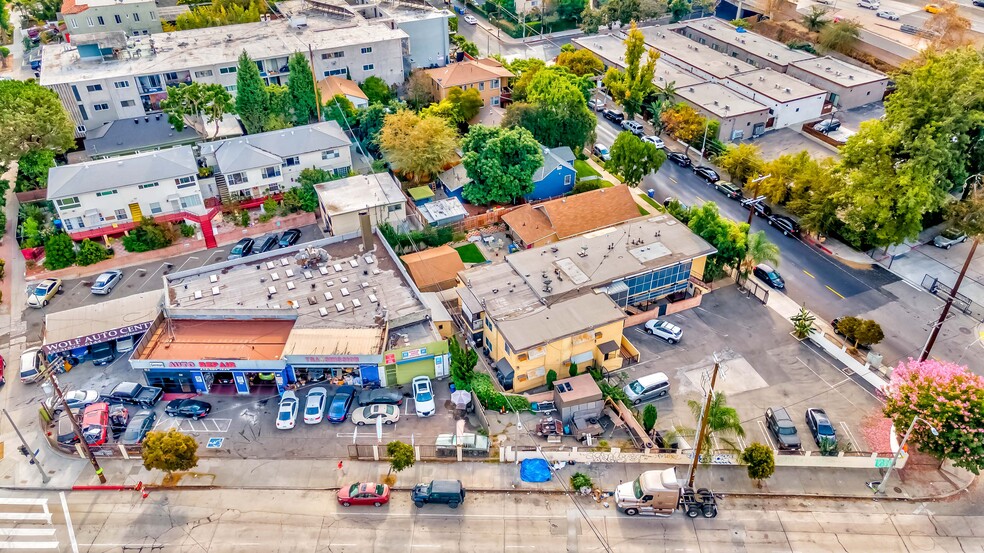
{"points": [[97, 338]]}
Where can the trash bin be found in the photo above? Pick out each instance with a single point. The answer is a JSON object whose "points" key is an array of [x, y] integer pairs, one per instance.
{"points": [[651, 193]]}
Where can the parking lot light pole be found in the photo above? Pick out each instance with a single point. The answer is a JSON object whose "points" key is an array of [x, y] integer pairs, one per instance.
{"points": [[883, 485]]}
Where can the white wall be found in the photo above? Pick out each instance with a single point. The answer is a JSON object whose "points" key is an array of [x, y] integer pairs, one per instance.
{"points": [[288, 175], [786, 113], [87, 22], [429, 44], [150, 199]]}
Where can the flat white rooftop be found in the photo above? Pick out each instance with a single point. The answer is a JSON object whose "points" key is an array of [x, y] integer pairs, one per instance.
{"points": [[839, 72], [776, 85], [611, 49], [719, 100], [750, 42], [688, 54]]}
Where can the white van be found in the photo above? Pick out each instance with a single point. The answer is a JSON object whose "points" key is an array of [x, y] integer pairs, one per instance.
{"points": [[647, 388]]}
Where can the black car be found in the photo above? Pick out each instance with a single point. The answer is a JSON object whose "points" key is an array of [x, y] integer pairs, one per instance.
{"points": [[340, 403], [786, 224], [242, 248], [614, 116], [782, 428], [268, 243], [137, 429], [729, 190], [679, 158], [449, 492], [102, 353], [289, 237], [380, 396], [191, 408], [820, 426], [769, 275], [979, 3], [827, 125], [706, 173], [760, 208]]}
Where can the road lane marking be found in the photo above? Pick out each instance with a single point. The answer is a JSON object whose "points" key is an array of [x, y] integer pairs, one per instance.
{"points": [[808, 274], [701, 200], [673, 180], [835, 292], [68, 523]]}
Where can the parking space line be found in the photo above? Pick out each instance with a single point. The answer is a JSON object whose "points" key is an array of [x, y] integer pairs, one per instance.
{"points": [[355, 435], [133, 274], [765, 432], [850, 436]]}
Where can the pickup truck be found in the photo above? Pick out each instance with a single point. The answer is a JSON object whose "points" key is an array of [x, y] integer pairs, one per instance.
{"points": [[134, 394]]}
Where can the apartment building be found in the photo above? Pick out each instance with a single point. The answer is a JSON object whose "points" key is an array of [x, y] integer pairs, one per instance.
{"points": [[848, 85], [133, 17], [740, 117], [738, 43], [790, 100], [486, 75]]}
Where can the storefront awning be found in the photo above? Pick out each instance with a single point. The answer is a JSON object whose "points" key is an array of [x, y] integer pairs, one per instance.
{"points": [[100, 322]]}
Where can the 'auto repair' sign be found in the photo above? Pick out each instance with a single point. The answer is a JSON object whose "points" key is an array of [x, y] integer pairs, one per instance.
{"points": [[97, 338]]}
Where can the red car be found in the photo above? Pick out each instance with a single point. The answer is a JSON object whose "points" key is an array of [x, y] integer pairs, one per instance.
{"points": [[3, 365], [364, 493], [95, 423]]}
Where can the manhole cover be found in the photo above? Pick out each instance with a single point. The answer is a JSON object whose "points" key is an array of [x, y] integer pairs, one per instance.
{"points": [[965, 330]]}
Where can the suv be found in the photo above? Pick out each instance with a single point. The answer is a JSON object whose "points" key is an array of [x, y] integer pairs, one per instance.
{"points": [[242, 248], [613, 115], [665, 330], [449, 492], [729, 190], [786, 224], [869, 4], [634, 127], [760, 208], [269, 243], [782, 428], [820, 426]]}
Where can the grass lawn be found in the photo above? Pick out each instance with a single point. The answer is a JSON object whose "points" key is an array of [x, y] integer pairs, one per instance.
{"points": [[652, 202], [469, 253], [584, 170], [606, 184], [642, 210]]}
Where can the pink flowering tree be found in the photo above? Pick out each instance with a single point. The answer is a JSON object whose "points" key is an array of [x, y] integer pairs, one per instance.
{"points": [[951, 398]]}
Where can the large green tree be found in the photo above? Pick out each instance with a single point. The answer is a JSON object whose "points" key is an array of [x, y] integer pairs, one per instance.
{"points": [[633, 159], [376, 90], [727, 236], [419, 147], [581, 63], [840, 35], [169, 451], [279, 108], [370, 122], [251, 95], [340, 109], [199, 103], [556, 111], [501, 163], [32, 118], [32, 170], [631, 87], [742, 161], [303, 96]]}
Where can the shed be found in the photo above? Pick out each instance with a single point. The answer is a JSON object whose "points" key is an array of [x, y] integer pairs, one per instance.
{"points": [[579, 394], [443, 212], [421, 194]]}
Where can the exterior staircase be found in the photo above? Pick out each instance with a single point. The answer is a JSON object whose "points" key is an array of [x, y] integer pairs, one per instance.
{"points": [[220, 183]]}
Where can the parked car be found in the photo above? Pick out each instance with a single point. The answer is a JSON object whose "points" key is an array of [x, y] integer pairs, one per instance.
{"points": [[44, 292], [76, 399], [786, 224], [105, 282], [729, 190], [119, 418], [665, 330], [371, 413], [634, 127], [892, 16], [3, 365], [679, 158], [782, 428], [769, 275], [269, 243], [385, 396], [289, 237], [654, 140], [140, 424], [613, 115], [932, 8], [449, 492], [423, 396], [948, 238], [65, 430], [314, 405], [134, 394], [470, 19], [602, 152], [102, 353], [287, 413], [31, 368], [340, 403], [190, 408], [242, 248], [596, 104], [706, 173], [869, 4], [827, 125], [821, 427], [95, 423], [646, 388], [979, 3], [364, 493], [125, 343], [761, 209]]}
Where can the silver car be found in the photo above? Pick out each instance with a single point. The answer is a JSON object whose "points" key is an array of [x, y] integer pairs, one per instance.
{"points": [[105, 282], [885, 14], [948, 238]]}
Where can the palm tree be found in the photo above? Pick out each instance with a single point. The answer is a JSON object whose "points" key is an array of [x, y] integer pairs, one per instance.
{"points": [[721, 419], [661, 100], [758, 249], [816, 19]]}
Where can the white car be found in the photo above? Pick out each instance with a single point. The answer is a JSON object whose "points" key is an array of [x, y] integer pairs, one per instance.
{"points": [[869, 4], [655, 141], [423, 396], [596, 104], [665, 330], [76, 399], [602, 152], [885, 14], [31, 369], [287, 414], [314, 405], [470, 19], [371, 413]]}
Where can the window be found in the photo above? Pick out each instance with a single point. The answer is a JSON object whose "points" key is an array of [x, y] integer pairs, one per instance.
{"points": [[567, 180], [119, 20], [100, 107], [270, 172], [231, 88], [136, 16], [155, 207], [205, 73], [342, 171], [94, 87], [190, 201], [122, 215], [329, 55], [236, 178], [333, 72], [85, 116], [127, 104], [100, 20], [105, 193], [68, 203], [122, 84], [230, 69], [330, 154], [368, 67], [75, 91], [148, 185], [488, 323], [172, 76], [291, 161], [392, 208], [536, 353], [495, 101], [75, 24], [153, 15], [89, 21], [68, 224], [481, 85], [367, 50], [495, 84], [184, 182]]}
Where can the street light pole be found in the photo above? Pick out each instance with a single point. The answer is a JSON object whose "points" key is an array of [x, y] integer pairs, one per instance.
{"points": [[75, 423], [883, 485], [29, 451]]}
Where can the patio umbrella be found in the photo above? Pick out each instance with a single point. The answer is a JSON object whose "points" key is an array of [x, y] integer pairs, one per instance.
{"points": [[461, 398]]}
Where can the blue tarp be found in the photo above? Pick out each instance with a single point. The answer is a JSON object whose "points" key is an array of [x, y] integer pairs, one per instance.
{"points": [[534, 470]]}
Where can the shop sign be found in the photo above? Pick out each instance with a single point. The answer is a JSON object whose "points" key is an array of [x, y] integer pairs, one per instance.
{"points": [[390, 359], [351, 360], [413, 353], [97, 338], [201, 365], [211, 365]]}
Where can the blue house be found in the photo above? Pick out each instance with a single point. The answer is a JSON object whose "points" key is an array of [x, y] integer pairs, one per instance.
{"points": [[556, 177], [454, 180]]}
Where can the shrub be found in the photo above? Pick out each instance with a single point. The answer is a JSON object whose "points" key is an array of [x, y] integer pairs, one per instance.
{"points": [[580, 481], [243, 218], [481, 384], [149, 235], [551, 378], [649, 415], [91, 252], [586, 186], [573, 370], [59, 251], [760, 461], [301, 198], [186, 230]]}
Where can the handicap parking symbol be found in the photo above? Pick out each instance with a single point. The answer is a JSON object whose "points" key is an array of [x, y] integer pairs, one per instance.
{"points": [[214, 443]]}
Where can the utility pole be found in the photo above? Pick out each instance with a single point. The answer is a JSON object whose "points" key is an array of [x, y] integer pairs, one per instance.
{"points": [[27, 451], [703, 427], [75, 423], [949, 302], [703, 145]]}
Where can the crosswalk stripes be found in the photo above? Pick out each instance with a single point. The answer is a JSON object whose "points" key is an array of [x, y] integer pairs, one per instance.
{"points": [[25, 524]]}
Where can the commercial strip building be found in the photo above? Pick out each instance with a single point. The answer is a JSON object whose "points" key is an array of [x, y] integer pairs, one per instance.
{"points": [[74, 331], [790, 100], [849, 86]]}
